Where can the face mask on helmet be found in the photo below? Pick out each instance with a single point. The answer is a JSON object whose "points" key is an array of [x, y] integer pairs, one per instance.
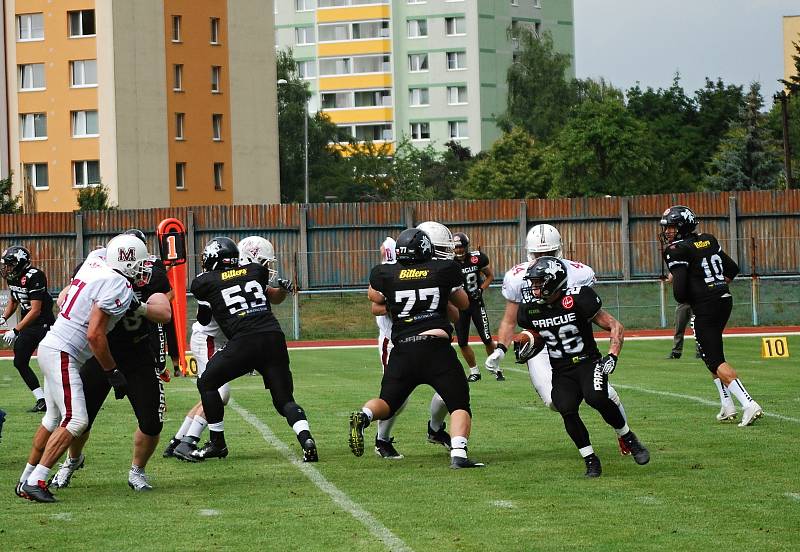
{"points": [[542, 240], [544, 280], [255, 249], [677, 223], [461, 245], [128, 255], [220, 254], [14, 261], [441, 238]]}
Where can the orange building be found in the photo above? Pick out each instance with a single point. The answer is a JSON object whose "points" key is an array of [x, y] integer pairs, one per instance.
{"points": [[166, 103]]}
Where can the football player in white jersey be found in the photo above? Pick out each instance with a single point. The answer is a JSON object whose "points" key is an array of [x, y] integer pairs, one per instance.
{"points": [[542, 239], [97, 298]]}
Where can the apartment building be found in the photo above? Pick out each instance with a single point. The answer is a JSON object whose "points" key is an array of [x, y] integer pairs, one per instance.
{"points": [[429, 70], [165, 102], [791, 34]]}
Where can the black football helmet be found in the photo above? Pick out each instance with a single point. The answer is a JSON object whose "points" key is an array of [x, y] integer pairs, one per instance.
{"points": [[414, 246], [682, 218], [548, 275], [220, 254], [15, 260], [462, 244], [138, 233]]}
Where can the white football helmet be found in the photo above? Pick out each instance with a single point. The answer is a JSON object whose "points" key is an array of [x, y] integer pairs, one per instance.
{"points": [[255, 249], [443, 245], [388, 251], [128, 255], [543, 239]]}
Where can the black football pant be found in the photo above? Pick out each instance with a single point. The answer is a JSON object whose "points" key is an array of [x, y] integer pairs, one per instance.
{"points": [[710, 319], [475, 313], [27, 341], [583, 381], [265, 353], [145, 390]]}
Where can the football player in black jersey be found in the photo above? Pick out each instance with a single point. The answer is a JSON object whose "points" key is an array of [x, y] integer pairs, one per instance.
{"points": [[28, 287], [416, 292], [129, 343], [563, 318], [701, 271], [238, 298], [477, 273]]}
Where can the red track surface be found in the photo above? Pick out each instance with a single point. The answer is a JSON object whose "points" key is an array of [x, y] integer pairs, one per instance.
{"points": [[666, 332]]}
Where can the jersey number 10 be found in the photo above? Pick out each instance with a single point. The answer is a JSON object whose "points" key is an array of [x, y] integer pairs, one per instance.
{"points": [[712, 266]]}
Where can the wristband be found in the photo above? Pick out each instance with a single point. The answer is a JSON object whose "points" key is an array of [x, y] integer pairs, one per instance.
{"points": [[502, 348], [612, 355]]}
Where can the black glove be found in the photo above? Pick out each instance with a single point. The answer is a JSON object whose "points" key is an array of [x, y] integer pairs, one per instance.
{"points": [[476, 294], [286, 285], [118, 382], [607, 364]]}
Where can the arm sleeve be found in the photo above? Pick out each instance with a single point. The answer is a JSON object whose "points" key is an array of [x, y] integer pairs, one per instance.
{"points": [[115, 296], [203, 313], [680, 283], [588, 302], [483, 260], [729, 267], [37, 286]]}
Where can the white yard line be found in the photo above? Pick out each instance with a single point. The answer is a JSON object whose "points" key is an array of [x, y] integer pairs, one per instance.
{"points": [[672, 395], [380, 531]]}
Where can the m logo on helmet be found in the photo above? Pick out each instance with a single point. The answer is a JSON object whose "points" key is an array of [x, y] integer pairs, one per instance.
{"points": [[127, 255]]}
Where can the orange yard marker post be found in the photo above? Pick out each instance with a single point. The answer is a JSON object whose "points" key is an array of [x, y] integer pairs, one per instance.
{"points": [[172, 247]]}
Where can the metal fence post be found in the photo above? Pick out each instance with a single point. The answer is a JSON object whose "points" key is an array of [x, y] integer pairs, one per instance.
{"points": [[296, 306], [190, 251], [303, 249], [78, 236], [523, 223], [733, 229], [624, 238], [662, 286]]}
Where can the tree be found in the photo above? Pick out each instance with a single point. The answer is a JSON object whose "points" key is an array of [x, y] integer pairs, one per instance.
{"points": [[602, 150], [94, 198], [717, 105], [8, 203], [539, 93], [747, 158], [510, 169]]}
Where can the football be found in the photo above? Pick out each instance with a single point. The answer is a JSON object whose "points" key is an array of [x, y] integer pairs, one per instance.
{"points": [[527, 344]]}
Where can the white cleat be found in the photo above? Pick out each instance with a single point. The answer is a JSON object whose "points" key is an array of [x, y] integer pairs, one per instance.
{"points": [[750, 414], [139, 482], [727, 413], [64, 474]]}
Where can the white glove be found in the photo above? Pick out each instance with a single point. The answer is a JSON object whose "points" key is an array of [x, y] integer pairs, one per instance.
{"points": [[2, 321], [10, 336], [493, 360]]}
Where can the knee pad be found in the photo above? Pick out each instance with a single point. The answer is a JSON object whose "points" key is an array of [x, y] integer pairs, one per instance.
{"points": [[151, 428], [77, 425], [293, 412], [225, 393]]}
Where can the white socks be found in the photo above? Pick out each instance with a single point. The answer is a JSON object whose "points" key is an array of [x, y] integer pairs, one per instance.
{"points": [[198, 425], [740, 392], [26, 473], [39, 473], [301, 425], [459, 446], [474, 370], [586, 451], [219, 426], [623, 430], [724, 397], [187, 423], [38, 393], [368, 412]]}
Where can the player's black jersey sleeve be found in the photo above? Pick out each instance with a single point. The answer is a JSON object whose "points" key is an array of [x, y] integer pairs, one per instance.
{"points": [[32, 286], [238, 299]]}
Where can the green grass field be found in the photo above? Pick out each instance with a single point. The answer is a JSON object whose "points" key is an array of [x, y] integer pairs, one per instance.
{"points": [[707, 486]]}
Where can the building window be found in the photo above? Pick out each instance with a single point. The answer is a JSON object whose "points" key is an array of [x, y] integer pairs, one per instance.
{"points": [[417, 62], [36, 175], [373, 98], [457, 129], [455, 26], [418, 97], [420, 131], [331, 33], [180, 119], [515, 2], [31, 76], [215, 78], [84, 124], [417, 28], [370, 29], [372, 64], [537, 3], [33, 126], [456, 95], [176, 28], [215, 30], [177, 77], [30, 26], [336, 100], [416, 1], [456, 61], [83, 72], [303, 5], [216, 127], [304, 35], [180, 176], [307, 69], [85, 173], [375, 132], [218, 174], [334, 66], [81, 23]]}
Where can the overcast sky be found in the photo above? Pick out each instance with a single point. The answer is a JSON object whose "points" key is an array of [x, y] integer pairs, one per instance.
{"points": [[649, 40]]}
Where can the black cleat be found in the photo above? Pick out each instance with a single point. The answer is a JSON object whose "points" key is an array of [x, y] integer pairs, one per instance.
{"points": [[184, 451], [593, 467], [40, 406], [310, 451], [640, 454], [458, 462], [472, 378], [358, 421], [169, 452], [385, 449], [673, 356], [498, 375], [2, 420], [38, 492], [440, 437], [209, 450]]}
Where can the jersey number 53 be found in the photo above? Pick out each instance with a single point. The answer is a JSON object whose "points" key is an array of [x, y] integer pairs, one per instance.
{"points": [[238, 300]]}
